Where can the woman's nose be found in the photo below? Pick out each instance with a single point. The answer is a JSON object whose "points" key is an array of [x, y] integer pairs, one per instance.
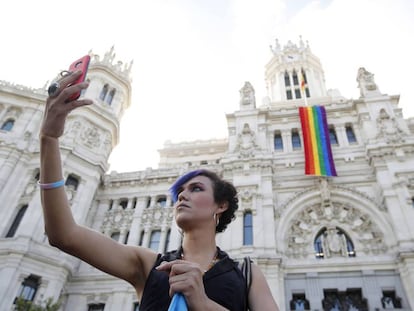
{"points": [[182, 196]]}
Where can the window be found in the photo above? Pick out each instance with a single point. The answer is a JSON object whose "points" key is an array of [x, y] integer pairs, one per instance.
{"points": [[96, 307], [8, 125], [155, 240], [351, 299], [287, 79], [297, 93], [295, 78], [289, 94], [104, 92], [72, 181], [162, 201], [29, 287], [148, 202], [299, 302], [389, 300], [332, 136], [167, 240], [278, 141], [333, 241], [123, 203], [295, 139], [16, 221], [110, 96], [136, 306], [115, 236], [350, 134], [141, 238], [248, 228], [126, 238]]}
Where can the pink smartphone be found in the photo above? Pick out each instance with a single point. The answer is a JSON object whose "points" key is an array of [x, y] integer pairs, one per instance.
{"points": [[79, 64]]}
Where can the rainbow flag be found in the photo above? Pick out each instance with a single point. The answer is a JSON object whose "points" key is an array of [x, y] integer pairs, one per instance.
{"points": [[318, 153]]}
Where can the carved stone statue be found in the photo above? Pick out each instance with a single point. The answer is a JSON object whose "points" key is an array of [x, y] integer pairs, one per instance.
{"points": [[366, 82], [388, 128], [247, 96], [334, 243], [246, 141]]}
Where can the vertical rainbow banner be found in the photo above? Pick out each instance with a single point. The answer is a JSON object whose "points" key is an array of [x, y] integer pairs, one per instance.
{"points": [[318, 153]]}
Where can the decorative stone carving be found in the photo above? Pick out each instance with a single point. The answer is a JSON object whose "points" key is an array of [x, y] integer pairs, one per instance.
{"points": [[247, 96], [246, 142], [300, 239], [117, 218], [388, 128], [91, 137], [334, 244], [156, 216]]}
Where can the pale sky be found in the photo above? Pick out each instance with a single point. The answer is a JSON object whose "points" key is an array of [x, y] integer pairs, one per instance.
{"points": [[191, 57]]}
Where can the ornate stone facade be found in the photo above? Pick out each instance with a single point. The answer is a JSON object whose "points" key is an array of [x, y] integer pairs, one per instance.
{"points": [[344, 242]]}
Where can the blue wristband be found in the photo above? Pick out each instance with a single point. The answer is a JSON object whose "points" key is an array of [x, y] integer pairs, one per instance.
{"points": [[53, 185]]}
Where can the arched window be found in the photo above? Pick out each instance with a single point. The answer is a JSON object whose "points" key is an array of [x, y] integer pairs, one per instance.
{"points": [[287, 79], [111, 96], [104, 92], [333, 241], [296, 139], [8, 125], [16, 221], [350, 134], [29, 287], [136, 306], [295, 78], [248, 228], [72, 181], [278, 141], [155, 240], [332, 136]]}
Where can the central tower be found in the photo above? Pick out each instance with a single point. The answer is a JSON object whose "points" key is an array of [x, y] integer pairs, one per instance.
{"points": [[284, 71]]}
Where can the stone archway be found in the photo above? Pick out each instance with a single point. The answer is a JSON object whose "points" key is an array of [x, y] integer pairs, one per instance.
{"points": [[309, 211]]}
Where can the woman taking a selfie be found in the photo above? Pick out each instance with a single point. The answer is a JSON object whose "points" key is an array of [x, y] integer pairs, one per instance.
{"points": [[204, 205]]}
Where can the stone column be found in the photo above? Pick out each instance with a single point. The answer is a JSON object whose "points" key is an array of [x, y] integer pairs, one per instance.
{"points": [[406, 269]]}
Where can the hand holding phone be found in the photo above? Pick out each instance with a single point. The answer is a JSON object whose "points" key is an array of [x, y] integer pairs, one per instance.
{"points": [[79, 64]]}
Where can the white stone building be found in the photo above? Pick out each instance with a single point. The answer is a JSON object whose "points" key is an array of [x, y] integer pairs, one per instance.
{"points": [[337, 243]]}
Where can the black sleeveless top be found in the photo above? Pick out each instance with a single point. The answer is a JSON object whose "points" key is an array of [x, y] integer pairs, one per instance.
{"points": [[223, 283]]}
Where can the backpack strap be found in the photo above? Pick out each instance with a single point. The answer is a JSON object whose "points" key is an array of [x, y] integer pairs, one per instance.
{"points": [[246, 268]]}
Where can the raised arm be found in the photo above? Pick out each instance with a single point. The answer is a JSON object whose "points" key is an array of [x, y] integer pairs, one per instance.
{"points": [[63, 232]]}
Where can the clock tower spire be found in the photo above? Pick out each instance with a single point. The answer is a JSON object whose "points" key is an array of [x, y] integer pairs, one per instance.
{"points": [[284, 72]]}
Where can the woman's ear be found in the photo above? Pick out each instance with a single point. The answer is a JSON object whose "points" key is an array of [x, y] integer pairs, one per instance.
{"points": [[223, 207]]}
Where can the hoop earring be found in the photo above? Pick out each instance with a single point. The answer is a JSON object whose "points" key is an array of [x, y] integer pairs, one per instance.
{"points": [[216, 219]]}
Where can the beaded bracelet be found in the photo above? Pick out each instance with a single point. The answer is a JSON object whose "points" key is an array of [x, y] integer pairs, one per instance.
{"points": [[52, 185]]}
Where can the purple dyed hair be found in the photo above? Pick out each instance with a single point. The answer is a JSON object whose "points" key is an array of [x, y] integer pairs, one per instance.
{"points": [[181, 181]]}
